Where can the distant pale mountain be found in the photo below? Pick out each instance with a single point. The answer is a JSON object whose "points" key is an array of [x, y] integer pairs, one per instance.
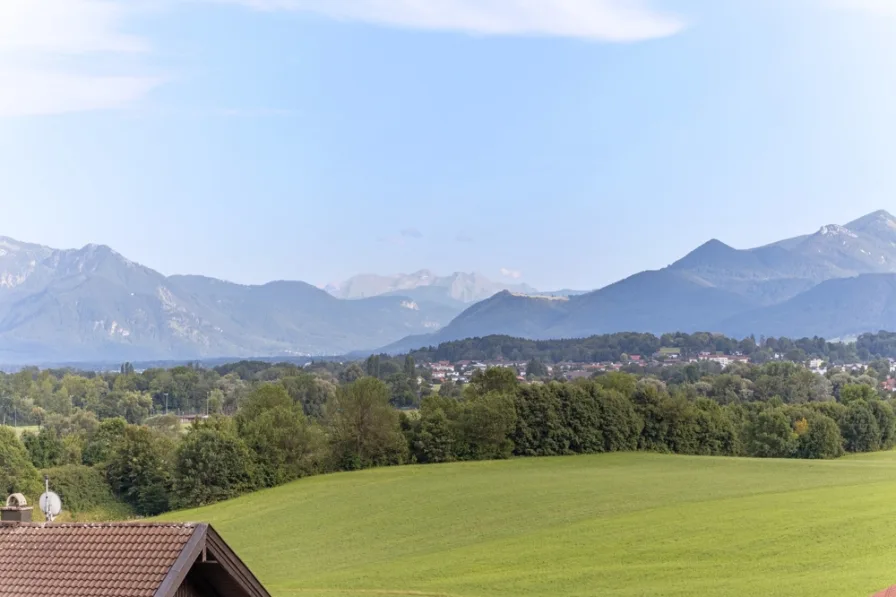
{"points": [[654, 302], [816, 284], [93, 304], [457, 290]]}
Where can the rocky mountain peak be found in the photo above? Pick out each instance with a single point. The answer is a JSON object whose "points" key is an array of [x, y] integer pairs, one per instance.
{"points": [[878, 222], [836, 230]]}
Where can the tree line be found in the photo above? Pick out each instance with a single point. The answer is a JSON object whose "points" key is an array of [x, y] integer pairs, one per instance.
{"points": [[282, 429], [612, 347]]}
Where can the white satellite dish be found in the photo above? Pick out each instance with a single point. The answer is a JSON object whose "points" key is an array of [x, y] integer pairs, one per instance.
{"points": [[50, 505]]}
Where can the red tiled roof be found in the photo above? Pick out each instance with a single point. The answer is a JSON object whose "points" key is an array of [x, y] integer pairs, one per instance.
{"points": [[88, 560], [891, 592]]}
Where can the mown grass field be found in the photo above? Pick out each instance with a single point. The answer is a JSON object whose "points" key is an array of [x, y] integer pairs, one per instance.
{"points": [[615, 525]]}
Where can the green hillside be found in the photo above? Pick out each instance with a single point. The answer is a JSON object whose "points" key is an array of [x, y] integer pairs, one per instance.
{"points": [[611, 525]]}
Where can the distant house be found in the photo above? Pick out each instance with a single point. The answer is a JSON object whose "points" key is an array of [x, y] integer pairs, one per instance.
{"points": [[442, 367], [723, 359], [117, 560]]}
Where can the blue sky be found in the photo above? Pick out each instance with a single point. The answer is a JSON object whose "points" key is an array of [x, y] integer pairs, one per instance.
{"points": [[570, 142]]}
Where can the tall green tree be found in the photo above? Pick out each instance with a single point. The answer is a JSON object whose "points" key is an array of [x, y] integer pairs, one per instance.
{"points": [[17, 473], [285, 444], [103, 443], [410, 368], [212, 464], [373, 365], [139, 470], [45, 448], [364, 428], [501, 380], [535, 369], [352, 372], [854, 391], [436, 438], [486, 423], [310, 391], [860, 429]]}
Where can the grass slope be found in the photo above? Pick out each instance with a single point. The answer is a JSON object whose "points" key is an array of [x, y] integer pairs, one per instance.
{"points": [[620, 525]]}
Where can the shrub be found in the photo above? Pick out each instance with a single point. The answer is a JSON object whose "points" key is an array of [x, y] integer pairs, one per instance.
{"points": [[821, 438], [84, 490], [768, 434]]}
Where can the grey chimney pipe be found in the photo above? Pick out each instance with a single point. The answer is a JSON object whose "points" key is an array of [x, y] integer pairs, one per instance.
{"points": [[16, 509]]}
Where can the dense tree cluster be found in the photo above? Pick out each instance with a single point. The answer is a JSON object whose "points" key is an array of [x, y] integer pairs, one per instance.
{"points": [[612, 347], [269, 424], [33, 397]]}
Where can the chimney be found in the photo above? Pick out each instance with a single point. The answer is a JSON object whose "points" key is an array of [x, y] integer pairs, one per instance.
{"points": [[16, 509]]}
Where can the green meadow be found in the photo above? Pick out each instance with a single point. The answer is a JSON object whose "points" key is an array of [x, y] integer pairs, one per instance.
{"points": [[614, 525]]}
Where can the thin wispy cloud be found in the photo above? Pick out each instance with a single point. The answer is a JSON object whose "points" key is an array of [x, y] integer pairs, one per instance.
{"points": [[511, 273], [48, 46], [60, 56], [601, 20], [463, 237]]}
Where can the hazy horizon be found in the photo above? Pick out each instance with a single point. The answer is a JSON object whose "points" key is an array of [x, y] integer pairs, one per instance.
{"points": [[503, 275]]}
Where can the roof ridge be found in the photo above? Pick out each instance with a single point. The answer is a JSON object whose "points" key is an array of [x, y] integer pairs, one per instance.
{"points": [[124, 523]]}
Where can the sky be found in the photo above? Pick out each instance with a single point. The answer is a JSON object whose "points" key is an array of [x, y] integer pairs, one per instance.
{"points": [[564, 143]]}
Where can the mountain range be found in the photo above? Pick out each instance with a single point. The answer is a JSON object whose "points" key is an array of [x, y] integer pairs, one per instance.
{"points": [[457, 291], [93, 304], [838, 282]]}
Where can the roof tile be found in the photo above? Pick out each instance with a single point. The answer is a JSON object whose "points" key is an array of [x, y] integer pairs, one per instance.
{"points": [[88, 560]]}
